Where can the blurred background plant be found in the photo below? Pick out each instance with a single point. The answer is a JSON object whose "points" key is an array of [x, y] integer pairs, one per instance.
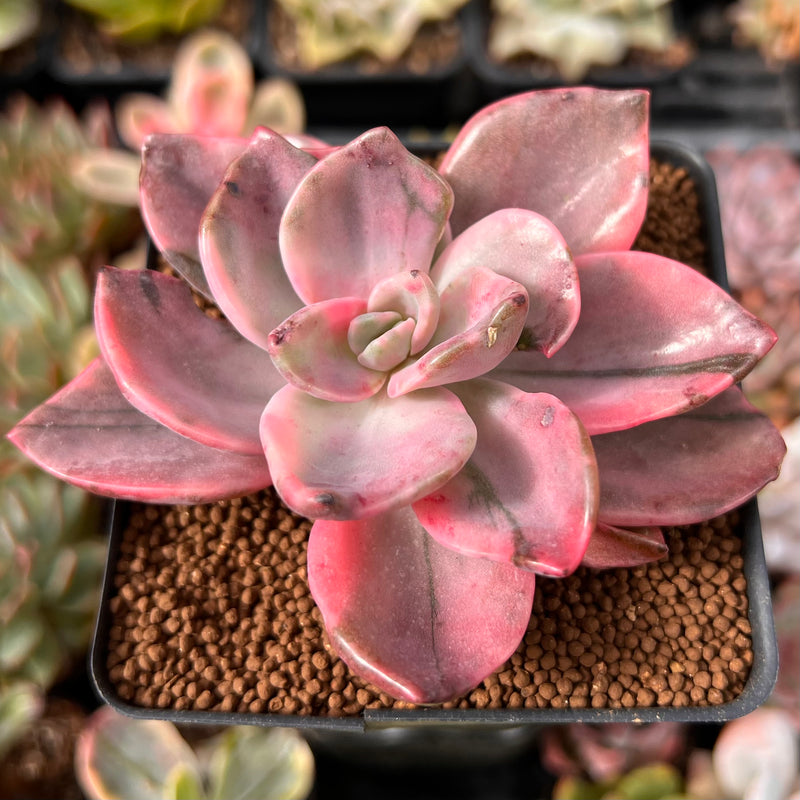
{"points": [[211, 92], [773, 26], [331, 31], [19, 20], [577, 34], [144, 20], [128, 759]]}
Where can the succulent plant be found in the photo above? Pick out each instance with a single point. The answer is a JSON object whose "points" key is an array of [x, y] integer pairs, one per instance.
{"points": [[576, 34], [44, 214], [20, 704], [211, 93], [130, 759], [50, 573], [461, 376], [773, 26], [755, 757], [145, 20], [329, 31], [18, 21], [659, 781]]}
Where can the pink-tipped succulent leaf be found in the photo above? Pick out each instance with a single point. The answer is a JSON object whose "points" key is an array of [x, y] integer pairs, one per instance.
{"points": [[89, 435], [420, 621]]}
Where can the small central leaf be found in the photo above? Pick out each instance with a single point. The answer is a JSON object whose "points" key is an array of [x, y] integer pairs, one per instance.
{"points": [[390, 349]]}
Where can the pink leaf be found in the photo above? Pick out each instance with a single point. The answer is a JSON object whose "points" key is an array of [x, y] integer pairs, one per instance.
{"points": [[179, 174], [311, 350], [190, 372], [612, 547], [529, 493], [687, 468], [655, 338], [211, 85], [363, 213], [138, 115], [526, 248], [579, 157], [239, 236], [353, 460], [416, 619], [412, 295], [89, 435], [481, 318]]}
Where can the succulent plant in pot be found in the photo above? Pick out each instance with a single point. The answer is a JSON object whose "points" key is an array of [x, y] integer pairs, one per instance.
{"points": [[465, 377]]}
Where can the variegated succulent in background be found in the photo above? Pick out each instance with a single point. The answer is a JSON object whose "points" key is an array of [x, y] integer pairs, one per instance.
{"points": [[577, 34], [331, 31], [465, 377], [211, 93]]}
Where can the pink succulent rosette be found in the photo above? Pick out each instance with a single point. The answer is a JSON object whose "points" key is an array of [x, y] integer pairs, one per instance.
{"points": [[465, 377]]}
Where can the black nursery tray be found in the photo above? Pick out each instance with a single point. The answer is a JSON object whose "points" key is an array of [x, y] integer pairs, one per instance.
{"points": [[480, 721]]}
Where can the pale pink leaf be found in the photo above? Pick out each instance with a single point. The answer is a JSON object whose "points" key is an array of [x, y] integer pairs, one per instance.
{"points": [[578, 156], [655, 338], [239, 236], [528, 249], [418, 620], [180, 173], [688, 468], [529, 493], [311, 351], [89, 435], [353, 460], [138, 115], [365, 212], [481, 318], [611, 547], [190, 372]]}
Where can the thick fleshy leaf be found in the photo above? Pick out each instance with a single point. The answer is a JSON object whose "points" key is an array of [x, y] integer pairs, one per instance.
{"points": [[480, 322], [529, 493], [311, 350], [413, 295], [211, 85], [353, 460], [611, 547], [655, 338], [180, 173], [138, 115], [190, 372], [418, 620], [528, 249], [239, 236], [363, 213], [578, 156], [687, 468], [89, 435]]}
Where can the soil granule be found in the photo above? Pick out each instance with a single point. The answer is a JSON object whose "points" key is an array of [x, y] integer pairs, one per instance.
{"points": [[212, 609]]}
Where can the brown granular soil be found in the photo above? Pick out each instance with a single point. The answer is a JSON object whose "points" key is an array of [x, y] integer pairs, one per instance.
{"points": [[212, 609], [213, 613], [435, 47]]}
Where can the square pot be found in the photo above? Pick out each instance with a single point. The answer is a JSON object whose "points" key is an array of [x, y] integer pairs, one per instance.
{"points": [[747, 632]]}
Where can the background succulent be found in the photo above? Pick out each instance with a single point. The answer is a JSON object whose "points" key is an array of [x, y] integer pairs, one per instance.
{"points": [[18, 21], [773, 26], [129, 759], [146, 19], [576, 34], [329, 31]]}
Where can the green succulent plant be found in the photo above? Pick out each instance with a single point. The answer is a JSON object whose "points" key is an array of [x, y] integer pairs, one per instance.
{"points": [[329, 31], [132, 759], [652, 782], [20, 704], [44, 214], [145, 20], [576, 34], [18, 21], [50, 573]]}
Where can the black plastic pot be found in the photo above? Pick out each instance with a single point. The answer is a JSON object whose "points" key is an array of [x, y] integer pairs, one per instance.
{"points": [[457, 730], [347, 94]]}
